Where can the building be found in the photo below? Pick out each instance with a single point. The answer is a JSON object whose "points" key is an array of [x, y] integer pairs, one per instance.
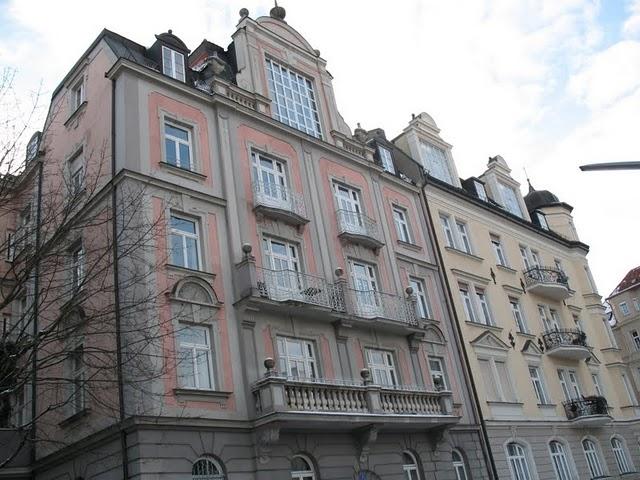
{"points": [[554, 392], [244, 289]]}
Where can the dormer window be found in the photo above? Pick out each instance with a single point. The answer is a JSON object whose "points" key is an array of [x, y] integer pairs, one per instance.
{"points": [[509, 199], [480, 191], [293, 98], [173, 64], [542, 220], [434, 160], [386, 159]]}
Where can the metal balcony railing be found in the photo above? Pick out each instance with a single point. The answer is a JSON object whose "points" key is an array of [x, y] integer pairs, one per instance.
{"points": [[545, 275], [585, 407], [272, 195], [564, 338], [356, 223], [374, 304]]}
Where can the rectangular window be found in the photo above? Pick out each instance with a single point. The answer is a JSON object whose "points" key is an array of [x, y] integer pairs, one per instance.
{"points": [[467, 303], [77, 267], [518, 316], [504, 379], [76, 174], [438, 375], [465, 243], [178, 146], [293, 97], [498, 250], [628, 389], [195, 367], [624, 308], [538, 385], [535, 258], [350, 215], [636, 340], [480, 190], [365, 284], [402, 225], [448, 233], [434, 160], [381, 365], [542, 220], [10, 246], [485, 311], [173, 64], [558, 265], [77, 95], [509, 199], [636, 304], [526, 257], [76, 368], [185, 240], [296, 358], [597, 386], [489, 380], [422, 301], [386, 159], [270, 177], [20, 410]]}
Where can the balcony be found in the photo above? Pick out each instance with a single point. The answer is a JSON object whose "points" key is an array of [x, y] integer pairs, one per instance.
{"points": [[299, 404], [547, 282], [388, 310], [279, 202], [357, 228], [591, 411], [566, 344]]}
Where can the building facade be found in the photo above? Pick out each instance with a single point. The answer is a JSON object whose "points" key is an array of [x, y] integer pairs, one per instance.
{"points": [[554, 391], [248, 290]]}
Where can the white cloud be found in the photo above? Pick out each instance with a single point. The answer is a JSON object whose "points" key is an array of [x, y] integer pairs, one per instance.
{"points": [[631, 26]]}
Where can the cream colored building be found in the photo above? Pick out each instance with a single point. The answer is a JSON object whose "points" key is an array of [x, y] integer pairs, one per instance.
{"points": [[547, 372]]}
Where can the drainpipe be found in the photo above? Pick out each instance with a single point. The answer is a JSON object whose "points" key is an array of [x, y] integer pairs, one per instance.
{"points": [[114, 233], [486, 446]]}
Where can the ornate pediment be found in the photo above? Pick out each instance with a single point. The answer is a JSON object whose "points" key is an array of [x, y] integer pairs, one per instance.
{"points": [[490, 343], [531, 350]]}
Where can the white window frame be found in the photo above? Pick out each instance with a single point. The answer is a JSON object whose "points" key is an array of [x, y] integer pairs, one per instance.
{"points": [[518, 315], [184, 236], [542, 220], [485, 307], [177, 142], [597, 384], [77, 267], [422, 300], [506, 203], [383, 374], [307, 474], [77, 379], [21, 414], [467, 302], [271, 180], [285, 106], [10, 245], [628, 389], [196, 349], [635, 338], [620, 454], [501, 257], [463, 236], [458, 465], [410, 470], [366, 288], [624, 308], [386, 158], [560, 460], [538, 383], [592, 455], [436, 162], [502, 384], [518, 461], [169, 64], [204, 468], [287, 361], [481, 191], [401, 221], [76, 173], [77, 95], [438, 372], [569, 384], [636, 304], [445, 221]]}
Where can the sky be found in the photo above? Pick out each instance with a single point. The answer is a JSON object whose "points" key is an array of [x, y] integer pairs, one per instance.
{"points": [[547, 84]]}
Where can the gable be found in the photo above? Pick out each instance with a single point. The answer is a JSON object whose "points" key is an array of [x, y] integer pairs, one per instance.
{"points": [[489, 340]]}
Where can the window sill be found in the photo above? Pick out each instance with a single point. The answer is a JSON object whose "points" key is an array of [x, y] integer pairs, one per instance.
{"points": [[411, 246], [495, 328], [183, 172], [201, 395], [465, 254], [76, 113], [549, 406], [500, 402], [504, 268], [190, 271], [530, 336], [76, 416]]}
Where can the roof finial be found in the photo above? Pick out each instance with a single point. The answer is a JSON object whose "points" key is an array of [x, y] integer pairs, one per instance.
{"points": [[531, 189], [278, 12]]}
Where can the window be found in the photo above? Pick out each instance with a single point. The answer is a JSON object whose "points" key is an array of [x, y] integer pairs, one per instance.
{"points": [[521, 325], [636, 339], [194, 355], [270, 177], [10, 246], [549, 318], [458, 465], [569, 384], [410, 467], [386, 159], [628, 389], [538, 385], [402, 226], [296, 357], [76, 170], [301, 469], [448, 233], [636, 304], [498, 250], [422, 301], [578, 322], [178, 146], [518, 463], [23, 233], [349, 209], [284, 281], [485, 311], [293, 99], [542, 220], [593, 459], [530, 258], [434, 160], [480, 190], [597, 385], [20, 410], [560, 461], [77, 95], [383, 371], [535, 257], [497, 380], [173, 64], [465, 243], [185, 249], [77, 373], [438, 375], [624, 308], [621, 455], [555, 319], [509, 199], [468, 305], [365, 284], [77, 267], [207, 469]]}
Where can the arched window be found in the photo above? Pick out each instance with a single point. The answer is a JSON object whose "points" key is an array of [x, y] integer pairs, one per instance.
{"points": [[518, 463], [410, 466], [560, 461], [458, 465], [593, 460], [621, 455], [207, 469], [301, 469]]}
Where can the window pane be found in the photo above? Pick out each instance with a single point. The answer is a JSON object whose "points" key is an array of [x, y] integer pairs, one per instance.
{"points": [[186, 371], [204, 375], [184, 225], [170, 151], [176, 132]]}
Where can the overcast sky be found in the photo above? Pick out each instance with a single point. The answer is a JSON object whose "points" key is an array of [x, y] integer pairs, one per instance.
{"points": [[547, 84]]}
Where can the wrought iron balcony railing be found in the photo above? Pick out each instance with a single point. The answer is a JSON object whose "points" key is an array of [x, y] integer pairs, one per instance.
{"points": [[564, 338], [578, 408], [358, 224], [548, 275], [272, 195], [374, 304]]}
